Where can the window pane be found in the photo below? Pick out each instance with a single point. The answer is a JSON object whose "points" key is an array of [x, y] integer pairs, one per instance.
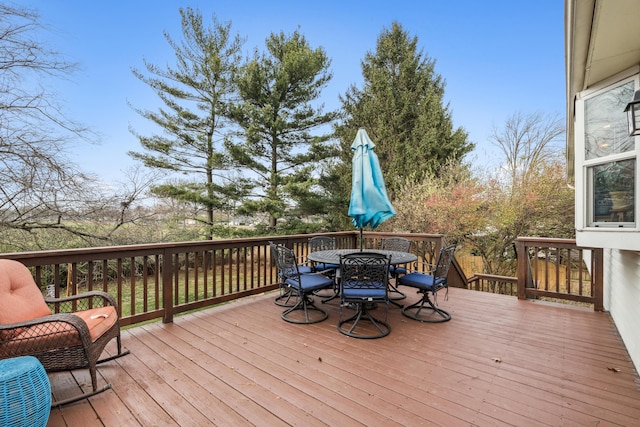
{"points": [[614, 192], [605, 123]]}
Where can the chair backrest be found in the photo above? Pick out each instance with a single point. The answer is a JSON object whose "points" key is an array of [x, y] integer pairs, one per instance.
{"points": [[322, 243], [274, 256], [20, 297], [286, 262], [398, 244], [364, 270], [444, 262]]}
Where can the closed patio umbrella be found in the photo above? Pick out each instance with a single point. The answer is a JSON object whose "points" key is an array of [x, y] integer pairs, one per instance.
{"points": [[369, 203]]}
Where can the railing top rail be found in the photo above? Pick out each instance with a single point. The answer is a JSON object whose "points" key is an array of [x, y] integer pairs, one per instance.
{"points": [[552, 242], [408, 235], [483, 276], [152, 247], [141, 249], [549, 240]]}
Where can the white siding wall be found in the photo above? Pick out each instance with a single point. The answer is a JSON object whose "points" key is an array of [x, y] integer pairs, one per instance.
{"points": [[622, 297]]}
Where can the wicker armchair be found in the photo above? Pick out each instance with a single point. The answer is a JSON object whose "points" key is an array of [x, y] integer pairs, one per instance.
{"points": [[72, 338]]}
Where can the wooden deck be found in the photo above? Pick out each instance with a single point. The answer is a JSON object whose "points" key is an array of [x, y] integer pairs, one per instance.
{"points": [[499, 361]]}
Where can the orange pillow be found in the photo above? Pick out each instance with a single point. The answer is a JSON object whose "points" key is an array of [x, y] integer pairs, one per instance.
{"points": [[20, 297]]}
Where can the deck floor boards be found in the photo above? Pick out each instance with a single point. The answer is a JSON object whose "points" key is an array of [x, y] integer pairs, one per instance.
{"points": [[498, 362]]}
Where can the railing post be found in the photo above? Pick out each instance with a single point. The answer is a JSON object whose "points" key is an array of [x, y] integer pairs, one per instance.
{"points": [[167, 286], [354, 240], [436, 250], [523, 271], [597, 278]]}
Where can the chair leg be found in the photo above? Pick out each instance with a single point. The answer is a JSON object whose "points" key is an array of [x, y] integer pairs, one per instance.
{"points": [[394, 293], [80, 397], [120, 354], [335, 291], [306, 305], [432, 314], [286, 295], [334, 295], [363, 314], [93, 372]]}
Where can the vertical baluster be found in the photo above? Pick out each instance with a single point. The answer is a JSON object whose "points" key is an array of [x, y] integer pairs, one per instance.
{"points": [[119, 282], [145, 284]]}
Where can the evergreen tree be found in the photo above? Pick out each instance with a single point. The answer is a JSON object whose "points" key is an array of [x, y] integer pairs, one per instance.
{"points": [[402, 109], [277, 116], [196, 96]]}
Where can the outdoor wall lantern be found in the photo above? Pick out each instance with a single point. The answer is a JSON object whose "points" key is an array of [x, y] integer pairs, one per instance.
{"points": [[633, 112]]}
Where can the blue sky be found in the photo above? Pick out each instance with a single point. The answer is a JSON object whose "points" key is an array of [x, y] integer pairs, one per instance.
{"points": [[496, 56]]}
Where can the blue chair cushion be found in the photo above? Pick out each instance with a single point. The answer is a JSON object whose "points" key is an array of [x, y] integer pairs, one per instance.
{"points": [[397, 270], [305, 269], [322, 267], [421, 281], [361, 293], [310, 282], [351, 291]]}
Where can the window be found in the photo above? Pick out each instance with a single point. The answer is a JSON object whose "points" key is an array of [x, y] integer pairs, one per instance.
{"points": [[613, 192], [605, 122], [609, 158]]}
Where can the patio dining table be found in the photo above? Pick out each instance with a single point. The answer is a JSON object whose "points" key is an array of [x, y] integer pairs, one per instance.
{"points": [[332, 256]]}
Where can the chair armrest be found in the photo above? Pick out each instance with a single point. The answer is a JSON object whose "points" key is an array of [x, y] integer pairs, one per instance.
{"points": [[427, 268], [302, 260], [84, 300], [85, 295]]}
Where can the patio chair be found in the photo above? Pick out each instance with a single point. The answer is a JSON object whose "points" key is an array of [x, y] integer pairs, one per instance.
{"points": [[398, 244], [73, 338], [302, 287], [430, 282], [287, 298], [364, 287], [323, 243]]}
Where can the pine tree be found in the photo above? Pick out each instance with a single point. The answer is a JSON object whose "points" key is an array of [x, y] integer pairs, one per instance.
{"points": [[277, 116], [401, 107], [196, 96]]}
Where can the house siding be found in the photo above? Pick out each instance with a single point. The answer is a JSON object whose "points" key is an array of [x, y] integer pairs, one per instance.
{"points": [[622, 297]]}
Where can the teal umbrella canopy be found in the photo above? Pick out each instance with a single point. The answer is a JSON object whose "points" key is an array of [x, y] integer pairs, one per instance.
{"points": [[369, 203]]}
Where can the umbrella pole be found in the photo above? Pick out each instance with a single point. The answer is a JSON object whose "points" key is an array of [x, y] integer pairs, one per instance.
{"points": [[360, 239]]}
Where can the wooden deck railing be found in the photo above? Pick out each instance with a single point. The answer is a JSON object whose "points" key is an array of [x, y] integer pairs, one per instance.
{"points": [[154, 281], [505, 285], [555, 269], [558, 268]]}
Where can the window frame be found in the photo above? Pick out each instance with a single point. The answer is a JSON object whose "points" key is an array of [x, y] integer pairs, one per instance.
{"points": [[589, 231]]}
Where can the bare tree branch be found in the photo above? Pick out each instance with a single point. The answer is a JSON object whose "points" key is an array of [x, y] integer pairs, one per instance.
{"points": [[43, 195], [528, 141]]}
